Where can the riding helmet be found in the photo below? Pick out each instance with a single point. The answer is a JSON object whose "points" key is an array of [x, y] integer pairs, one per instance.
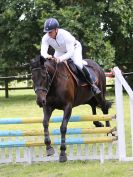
{"points": [[50, 24]]}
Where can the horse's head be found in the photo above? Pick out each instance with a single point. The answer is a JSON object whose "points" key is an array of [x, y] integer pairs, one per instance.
{"points": [[40, 77]]}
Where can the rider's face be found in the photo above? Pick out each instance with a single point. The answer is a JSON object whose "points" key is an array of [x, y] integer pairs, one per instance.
{"points": [[53, 33]]}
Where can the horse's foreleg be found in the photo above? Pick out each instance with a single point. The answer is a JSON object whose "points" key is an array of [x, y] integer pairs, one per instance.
{"points": [[63, 129], [47, 141]]}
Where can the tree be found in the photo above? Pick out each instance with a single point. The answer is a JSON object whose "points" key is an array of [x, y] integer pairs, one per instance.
{"points": [[118, 25], [104, 28], [88, 30], [21, 29]]}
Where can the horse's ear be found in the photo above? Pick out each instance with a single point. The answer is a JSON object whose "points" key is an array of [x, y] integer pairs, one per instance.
{"points": [[42, 60]]}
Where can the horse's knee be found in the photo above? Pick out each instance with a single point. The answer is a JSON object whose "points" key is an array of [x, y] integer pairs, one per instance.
{"points": [[45, 124]]}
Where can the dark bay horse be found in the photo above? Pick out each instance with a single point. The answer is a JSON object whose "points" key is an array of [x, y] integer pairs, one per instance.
{"points": [[56, 88]]}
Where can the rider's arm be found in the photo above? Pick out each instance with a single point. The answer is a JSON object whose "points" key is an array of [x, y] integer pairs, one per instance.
{"points": [[44, 47], [70, 41]]}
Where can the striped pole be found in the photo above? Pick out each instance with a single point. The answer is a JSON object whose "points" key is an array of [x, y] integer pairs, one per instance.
{"points": [[54, 131], [23, 143], [56, 119]]}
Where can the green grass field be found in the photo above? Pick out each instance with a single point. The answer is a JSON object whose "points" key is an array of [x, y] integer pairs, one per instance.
{"points": [[23, 104]]}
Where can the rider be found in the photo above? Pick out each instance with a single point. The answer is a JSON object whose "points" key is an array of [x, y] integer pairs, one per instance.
{"points": [[66, 46]]}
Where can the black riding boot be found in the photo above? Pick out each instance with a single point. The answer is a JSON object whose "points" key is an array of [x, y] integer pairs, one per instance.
{"points": [[95, 89]]}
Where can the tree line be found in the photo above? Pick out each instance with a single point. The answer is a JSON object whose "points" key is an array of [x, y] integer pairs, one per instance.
{"points": [[104, 28]]}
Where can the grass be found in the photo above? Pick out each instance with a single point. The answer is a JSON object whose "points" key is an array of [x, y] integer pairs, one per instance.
{"points": [[22, 104], [71, 169]]}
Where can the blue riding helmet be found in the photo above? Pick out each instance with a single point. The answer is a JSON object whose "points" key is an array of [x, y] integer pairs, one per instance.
{"points": [[50, 24]]}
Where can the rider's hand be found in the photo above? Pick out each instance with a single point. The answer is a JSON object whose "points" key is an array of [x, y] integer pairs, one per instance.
{"points": [[57, 60], [49, 57]]}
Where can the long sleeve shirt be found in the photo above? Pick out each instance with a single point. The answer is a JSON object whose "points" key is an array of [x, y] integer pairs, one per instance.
{"points": [[64, 43]]}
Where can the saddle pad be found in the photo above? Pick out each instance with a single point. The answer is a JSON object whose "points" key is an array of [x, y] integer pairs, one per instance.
{"points": [[76, 73]]}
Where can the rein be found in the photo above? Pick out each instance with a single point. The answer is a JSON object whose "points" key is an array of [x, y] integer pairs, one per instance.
{"points": [[50, 81]]}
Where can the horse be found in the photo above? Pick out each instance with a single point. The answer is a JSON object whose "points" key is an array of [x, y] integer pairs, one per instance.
{"points": [[56, 88]]}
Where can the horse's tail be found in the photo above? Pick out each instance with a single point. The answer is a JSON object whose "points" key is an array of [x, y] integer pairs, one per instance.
{"points": [[108, 103]]}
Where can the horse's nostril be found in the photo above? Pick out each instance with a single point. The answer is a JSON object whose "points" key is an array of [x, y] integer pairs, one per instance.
{"points": [[44, 102]]}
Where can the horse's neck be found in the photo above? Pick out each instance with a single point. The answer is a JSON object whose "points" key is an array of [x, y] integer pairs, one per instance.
{"points": [[54, 67], [50, 66]]}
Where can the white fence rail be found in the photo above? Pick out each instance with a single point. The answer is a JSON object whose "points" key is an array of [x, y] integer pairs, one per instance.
{"points": [[121, 83], [101, 152]]}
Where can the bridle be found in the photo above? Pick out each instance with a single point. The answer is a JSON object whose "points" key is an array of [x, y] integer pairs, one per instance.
{"points": [[49, 79]]}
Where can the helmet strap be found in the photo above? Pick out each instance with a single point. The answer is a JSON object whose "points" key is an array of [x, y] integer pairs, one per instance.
{"points": [[56, 32]]}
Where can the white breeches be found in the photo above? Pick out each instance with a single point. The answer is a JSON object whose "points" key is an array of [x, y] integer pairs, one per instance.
{"points": [[77, 57]]}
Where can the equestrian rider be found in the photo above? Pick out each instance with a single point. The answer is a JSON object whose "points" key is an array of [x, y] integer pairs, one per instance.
{"points": [[66, 47]]}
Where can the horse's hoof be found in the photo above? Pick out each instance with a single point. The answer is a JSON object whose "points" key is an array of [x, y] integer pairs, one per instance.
{"points": [[50, 151], [112, 133], [63, 158]]}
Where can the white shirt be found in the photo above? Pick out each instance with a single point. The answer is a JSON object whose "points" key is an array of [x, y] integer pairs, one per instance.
{"points": [[64, 43]]}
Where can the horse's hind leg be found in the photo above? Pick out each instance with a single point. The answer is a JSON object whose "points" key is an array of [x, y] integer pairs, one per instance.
{"points": [[96, 123], [47, 141], [105, 105], [105, 109]]}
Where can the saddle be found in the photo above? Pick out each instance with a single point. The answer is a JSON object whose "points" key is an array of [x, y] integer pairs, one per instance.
{"points": [[78, 74]]}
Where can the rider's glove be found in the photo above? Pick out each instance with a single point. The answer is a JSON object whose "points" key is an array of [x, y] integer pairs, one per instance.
{"points": [[49, 56], [57, 60]]}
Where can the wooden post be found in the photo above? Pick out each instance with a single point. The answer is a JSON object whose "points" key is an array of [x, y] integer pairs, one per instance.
{"points": [[6, 89]]}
